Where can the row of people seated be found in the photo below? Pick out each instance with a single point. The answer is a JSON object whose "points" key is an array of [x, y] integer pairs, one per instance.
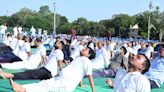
{"points": [[140, 67]]}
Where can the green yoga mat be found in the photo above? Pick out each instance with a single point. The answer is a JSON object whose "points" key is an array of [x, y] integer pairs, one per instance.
{"points": [[100, 85]]}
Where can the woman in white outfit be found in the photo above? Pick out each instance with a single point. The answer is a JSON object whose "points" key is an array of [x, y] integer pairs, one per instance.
{"points": [[25, 51], [33, 61]]}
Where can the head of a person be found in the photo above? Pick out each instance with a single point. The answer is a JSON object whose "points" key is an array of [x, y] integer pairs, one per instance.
{"points": [[87, 52], [123, 50], [143, 46], [83, 42], [139, 63], [108, 42], [28, 39], [129, 44], [58, 38], [38, 41], [59, 44], [100, 44], [161, 51], [20, 36]]}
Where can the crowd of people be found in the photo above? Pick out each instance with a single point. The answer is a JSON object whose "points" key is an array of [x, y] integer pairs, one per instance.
{"points": [[133, 64]]}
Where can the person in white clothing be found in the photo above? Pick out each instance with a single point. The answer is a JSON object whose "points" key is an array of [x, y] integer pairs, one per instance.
{"points": [[20, 30], [46, 72], [145, 50], [15, 29], [66, 82], [14, 42], [132, 80], [7, 40], [33, 61], [3, 29], [33, 31], [151, 50], [19, 44], [77, 49], [102, 58], [25, 51]]}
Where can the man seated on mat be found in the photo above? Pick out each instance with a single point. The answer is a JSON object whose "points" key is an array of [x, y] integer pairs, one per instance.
{"points": [[119, 62], [50, 69], [66, 82], [156, 71], [132, 80]]}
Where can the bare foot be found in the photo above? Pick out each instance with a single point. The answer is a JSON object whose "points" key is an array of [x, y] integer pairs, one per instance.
{"points": [[6, 75], [17, 87], [109, 82]]}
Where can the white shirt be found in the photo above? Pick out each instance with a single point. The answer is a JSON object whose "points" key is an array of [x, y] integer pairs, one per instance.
{"points": [[33, 30], [3, 28], [22, 53], [131, 82], [76, 51], [20, 30], [102, 59], [17, 47], [7, 41], [13, 43], [34, 60], [15, 31], [54, 56], [151, 49], [74, 73]]}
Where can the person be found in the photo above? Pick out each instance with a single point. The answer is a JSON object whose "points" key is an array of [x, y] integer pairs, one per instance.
{"points": [[145, 50], [33, 31], [25, 50], [66, 81], [33, 61], [117, 63], [156, 71], [19, 44], [7, 40], [15, 29], [46, 72], [102, 59], [3, 29], [132, 80]]}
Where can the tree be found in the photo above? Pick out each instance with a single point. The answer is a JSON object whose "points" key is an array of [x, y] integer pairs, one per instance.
{"points": [[44, 10]]}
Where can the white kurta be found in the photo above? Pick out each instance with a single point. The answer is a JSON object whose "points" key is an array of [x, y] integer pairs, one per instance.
{"points": [[66, 82], [18, 46], [54, 56], [101, 60], [131, 82], [22, 53]]}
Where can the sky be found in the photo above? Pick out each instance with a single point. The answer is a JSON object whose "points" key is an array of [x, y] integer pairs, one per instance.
{"points": [[92, 10]]}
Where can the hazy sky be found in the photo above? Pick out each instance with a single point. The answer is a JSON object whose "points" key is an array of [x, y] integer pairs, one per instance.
{"points": [[93, 10]]}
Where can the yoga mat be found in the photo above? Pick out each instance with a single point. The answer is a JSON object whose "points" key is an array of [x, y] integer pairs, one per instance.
{"points": [[100, 85]]}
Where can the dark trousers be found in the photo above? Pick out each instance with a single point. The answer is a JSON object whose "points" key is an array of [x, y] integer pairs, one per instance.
{"points": [[41, 73], [153, 84]]}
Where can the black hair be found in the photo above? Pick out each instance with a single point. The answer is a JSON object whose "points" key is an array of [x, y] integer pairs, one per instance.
{"points": [[92, 53], [124, 49], [38, 39], [146, 64]]}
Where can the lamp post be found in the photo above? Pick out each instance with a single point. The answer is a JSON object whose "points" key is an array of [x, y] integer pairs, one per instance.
{"points": [[54, 29], [150, 7]]}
